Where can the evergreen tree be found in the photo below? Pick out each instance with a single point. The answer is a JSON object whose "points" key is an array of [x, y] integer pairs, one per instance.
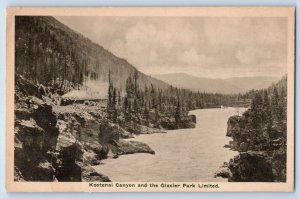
{"points": [[257, 109], [114, 106], [178, 113], [277, 110], [110, 100], [267, 114]]}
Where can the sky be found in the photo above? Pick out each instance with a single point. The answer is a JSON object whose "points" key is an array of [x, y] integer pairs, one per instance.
{"points": [[211, 47]]}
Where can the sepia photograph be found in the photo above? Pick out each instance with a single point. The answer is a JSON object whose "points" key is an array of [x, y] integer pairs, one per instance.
{"points": [[150, 99]]}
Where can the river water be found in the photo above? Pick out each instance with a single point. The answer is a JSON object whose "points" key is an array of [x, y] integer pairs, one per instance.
{"points": [[180, 155]]}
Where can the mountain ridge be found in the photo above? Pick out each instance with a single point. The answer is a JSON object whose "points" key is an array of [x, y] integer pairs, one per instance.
{"points": [[225, 86]]}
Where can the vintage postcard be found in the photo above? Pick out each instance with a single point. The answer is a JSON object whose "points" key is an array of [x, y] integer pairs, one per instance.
{"points": [[150, 99]]}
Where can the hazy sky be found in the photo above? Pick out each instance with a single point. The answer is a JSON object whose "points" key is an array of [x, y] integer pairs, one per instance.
{"points": [[213, 47]]}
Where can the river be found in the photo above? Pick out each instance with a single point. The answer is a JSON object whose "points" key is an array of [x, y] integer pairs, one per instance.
{"points": [[180, 155]]}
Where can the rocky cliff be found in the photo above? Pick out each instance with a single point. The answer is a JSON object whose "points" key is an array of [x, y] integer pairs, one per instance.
{"points": [[261, 159], [61, 143]]}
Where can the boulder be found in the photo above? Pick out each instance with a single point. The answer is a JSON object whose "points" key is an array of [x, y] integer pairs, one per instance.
{"points": [[223, 172], [233, 125], [33, 102], [45, 171], [29, 134], [69, 159], [148, 130], [89, 174], [44, 116], [193, 118], [251, 167], [23, 113], [130, 147]]}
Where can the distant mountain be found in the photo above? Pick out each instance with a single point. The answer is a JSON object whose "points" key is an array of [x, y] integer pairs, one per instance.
{"points": [[224, 86], [50, 53]]}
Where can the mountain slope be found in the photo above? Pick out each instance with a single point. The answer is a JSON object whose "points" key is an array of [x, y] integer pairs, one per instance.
{"points": [[50, 53], [224, 86]]}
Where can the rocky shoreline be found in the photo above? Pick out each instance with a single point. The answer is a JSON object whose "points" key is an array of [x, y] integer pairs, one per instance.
{"points": [[62, 143], [67, 144], [255, 162]]}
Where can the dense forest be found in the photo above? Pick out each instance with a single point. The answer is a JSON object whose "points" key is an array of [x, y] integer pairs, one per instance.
{"points": [[160, 108], [261, 132], [267, 117]]}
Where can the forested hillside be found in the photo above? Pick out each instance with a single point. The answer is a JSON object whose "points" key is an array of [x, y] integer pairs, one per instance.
{"points": [[52, 54]]}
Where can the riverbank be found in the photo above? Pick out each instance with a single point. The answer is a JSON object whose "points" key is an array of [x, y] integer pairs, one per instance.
{"points": [[63, 143], [180, 155]]}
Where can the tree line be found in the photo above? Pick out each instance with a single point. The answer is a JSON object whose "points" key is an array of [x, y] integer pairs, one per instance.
{"points": [[167, 108]]}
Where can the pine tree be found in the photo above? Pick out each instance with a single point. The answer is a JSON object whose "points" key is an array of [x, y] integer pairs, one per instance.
{"points": [[277, 109], [178, 113], [126, 109], [110, 100], [119, 99], [267, 115], [256, 109], [114, 106], [135, 83]]}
